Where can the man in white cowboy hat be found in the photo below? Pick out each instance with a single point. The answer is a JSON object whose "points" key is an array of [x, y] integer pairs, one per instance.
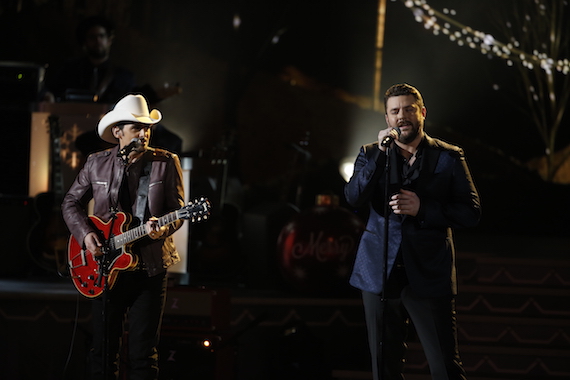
{"points": [[145, 183]]}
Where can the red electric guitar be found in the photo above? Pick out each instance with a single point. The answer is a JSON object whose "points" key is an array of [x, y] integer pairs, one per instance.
{"points": [[89, 274]]}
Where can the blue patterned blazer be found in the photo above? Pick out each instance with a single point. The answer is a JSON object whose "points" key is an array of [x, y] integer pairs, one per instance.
{"points": [[448, 200]]}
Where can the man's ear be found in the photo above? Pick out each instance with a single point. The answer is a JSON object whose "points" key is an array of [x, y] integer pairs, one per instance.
{"points": [[117, 132]]}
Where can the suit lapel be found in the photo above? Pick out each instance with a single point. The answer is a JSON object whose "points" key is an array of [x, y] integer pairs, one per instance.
{"points": [[430, 157]]}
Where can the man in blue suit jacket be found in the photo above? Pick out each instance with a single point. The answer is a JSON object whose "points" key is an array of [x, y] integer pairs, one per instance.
{"points": [[430, 192]]}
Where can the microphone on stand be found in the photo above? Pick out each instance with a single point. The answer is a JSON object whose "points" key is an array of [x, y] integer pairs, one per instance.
{"points": [[127, 149], [390, 138], [133, 145]]}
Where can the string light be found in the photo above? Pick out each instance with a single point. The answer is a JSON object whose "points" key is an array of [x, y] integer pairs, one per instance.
{"points": [[440, 23]]}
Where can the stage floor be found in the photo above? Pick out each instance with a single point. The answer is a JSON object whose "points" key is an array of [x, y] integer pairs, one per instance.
{"points": [[513, 323]]}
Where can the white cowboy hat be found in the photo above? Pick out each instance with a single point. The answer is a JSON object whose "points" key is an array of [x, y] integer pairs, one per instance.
{"points": [[132, 108]]}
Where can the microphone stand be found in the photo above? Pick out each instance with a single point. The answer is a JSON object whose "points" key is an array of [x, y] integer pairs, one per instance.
{"points": [[104, 264], [385, 255], [105, 338]]}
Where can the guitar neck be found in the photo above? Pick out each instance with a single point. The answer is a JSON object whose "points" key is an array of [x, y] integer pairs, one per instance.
{"points": [[136, 233]]}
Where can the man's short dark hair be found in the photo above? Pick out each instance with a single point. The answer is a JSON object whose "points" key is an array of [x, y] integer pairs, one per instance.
{"points": [[90, 22], [403, 89]]}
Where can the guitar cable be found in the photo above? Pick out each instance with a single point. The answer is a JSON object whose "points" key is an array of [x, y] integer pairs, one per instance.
{"points": [[73, 336]]}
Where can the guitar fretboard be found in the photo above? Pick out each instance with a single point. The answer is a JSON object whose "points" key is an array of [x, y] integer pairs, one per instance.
{"points": [[136, 233]]}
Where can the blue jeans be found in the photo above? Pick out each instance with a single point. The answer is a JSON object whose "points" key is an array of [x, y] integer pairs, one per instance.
{"points": [[135, 304]]}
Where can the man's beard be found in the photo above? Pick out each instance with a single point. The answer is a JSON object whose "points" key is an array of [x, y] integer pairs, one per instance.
{"points": [[410, 135], [141, 148], [97, 53]]}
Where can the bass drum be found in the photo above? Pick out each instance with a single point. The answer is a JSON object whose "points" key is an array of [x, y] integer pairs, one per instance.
{"points": [[317, 248]]}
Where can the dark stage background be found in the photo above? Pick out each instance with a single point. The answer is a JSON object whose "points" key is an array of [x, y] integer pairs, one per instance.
{"points": [[270, 110], [257, 98]]}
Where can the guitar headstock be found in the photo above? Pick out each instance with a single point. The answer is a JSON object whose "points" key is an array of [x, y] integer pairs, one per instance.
{"points": [[196, 211]]}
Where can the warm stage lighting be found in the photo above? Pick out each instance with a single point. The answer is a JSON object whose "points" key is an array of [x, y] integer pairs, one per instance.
{"points": [[236, 21], [346, 168], [206, 343], [441, 22]]}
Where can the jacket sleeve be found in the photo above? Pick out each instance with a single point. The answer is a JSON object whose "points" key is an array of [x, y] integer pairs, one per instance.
{"points": [[74, 203], [368, 167]]}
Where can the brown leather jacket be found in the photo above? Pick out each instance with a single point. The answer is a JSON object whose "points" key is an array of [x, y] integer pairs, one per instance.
{"points": [[100, 179]]}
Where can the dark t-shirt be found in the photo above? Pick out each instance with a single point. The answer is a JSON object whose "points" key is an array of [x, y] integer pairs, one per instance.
{"points": [[79, 80]]}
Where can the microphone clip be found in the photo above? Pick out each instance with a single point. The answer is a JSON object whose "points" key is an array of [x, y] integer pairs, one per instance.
{"points": [[127, 149]]}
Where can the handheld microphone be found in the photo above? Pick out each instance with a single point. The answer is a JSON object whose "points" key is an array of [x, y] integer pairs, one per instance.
{"points": [[390, 138]]}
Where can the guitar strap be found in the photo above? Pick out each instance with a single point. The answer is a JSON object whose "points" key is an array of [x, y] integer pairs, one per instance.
{"points": [[142, 192]]}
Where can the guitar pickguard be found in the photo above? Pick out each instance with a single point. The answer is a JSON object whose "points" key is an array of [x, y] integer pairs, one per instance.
{"points": [[87, 270]]}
